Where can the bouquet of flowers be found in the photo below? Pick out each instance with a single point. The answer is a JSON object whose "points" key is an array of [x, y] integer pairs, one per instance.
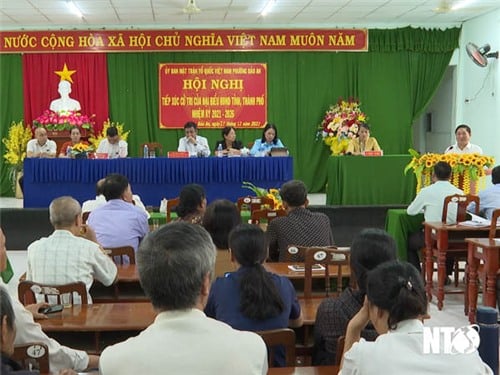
{"points": [[274, 194], [15, 149], [81, 150], [95, 140], [340, 124], [63, 120], [467, 169]]}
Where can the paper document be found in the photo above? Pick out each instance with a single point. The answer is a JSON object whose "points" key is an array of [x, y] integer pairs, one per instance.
{"points": [[476, 221], [300, 268]]}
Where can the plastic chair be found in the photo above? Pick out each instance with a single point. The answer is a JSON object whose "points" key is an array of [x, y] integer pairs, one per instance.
{"points": [[152, 146], [280, 337], [325, 256], [32, 356], [28, 290]]}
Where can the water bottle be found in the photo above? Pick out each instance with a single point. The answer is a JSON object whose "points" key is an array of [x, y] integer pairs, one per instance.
{"points": [[219, 150], [146, 151], [486, 318]]}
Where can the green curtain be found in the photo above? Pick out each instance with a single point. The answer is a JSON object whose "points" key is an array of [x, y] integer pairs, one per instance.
{"points": [[11, 109], [394, 81]]}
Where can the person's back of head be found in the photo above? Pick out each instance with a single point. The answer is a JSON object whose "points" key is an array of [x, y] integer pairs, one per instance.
{"points": [[7, 320], [173, 263], [98, 187], [294, 193], [190, 199], [495, 175], [442, 171], [397, 288], [371, 247], [220, 217], [259, 296], [114, 186], [63, 212]]}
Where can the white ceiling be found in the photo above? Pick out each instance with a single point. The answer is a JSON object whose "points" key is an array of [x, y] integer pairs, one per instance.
{"points": [[54, 14]]}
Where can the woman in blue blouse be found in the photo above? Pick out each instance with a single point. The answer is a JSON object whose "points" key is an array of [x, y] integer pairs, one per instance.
{"points": [[269, 140], [252, 299]]}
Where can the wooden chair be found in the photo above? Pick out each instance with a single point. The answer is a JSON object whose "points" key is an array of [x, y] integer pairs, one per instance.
{"points": [[171, 204], [32, 356], [156, 146], [257, 216], [326, 256], [28, 290], [254, 203], [339, 351], [293, 253], [284, 337], [493, 226], [85, 217], [118, 254]]}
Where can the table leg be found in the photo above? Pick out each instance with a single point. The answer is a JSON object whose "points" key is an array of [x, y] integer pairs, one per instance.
{"points": [[472, 288], [428, 264], [441, 278]]}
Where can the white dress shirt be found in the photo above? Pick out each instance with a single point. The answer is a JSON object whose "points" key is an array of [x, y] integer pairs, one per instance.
{"points": [[201, 146], [114, 151], [469, 149], [400, 351], [49, 147], [431, 199]]}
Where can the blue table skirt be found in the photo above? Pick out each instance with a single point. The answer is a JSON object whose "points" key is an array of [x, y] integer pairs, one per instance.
{"points": [[151, 179]]}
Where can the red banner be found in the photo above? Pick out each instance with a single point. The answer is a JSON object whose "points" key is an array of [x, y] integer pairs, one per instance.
{"points": [[184, 40], [213, 95]]}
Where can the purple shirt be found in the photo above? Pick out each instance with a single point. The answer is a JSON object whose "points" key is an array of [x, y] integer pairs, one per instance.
{"points": [[119, 223]]}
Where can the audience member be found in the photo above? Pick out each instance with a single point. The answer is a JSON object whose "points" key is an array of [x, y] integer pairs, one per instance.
{"points": [[230, 146], [113, 145], [193, 143], [118, 222], [369, 249], [100, 199], [395, 302], [175, 265], [220, 218], [71, 250], [252, 299], [357, 146], [41, 146], [463, 145], [64, 103], [192, 204], [300, 227], [27, 331], [269, 140], [75, 136], [489, 198], [430, 200]]}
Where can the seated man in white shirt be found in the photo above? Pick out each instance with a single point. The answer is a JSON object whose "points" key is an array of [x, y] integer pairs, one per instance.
{"points": [[113, 145], [175, 265], [41, 146], [28, 331], [71, 250], [193, 143]]}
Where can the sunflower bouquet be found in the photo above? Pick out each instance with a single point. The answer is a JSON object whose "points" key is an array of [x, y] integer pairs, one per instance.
{"points": [[273, 194], [340, 124], [467, 169]]}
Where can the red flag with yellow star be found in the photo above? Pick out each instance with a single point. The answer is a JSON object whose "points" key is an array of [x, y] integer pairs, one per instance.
{"points": [[87, 73]]}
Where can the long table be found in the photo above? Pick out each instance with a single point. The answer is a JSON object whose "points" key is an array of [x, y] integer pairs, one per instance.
{"points": [[358, 180], [152, 179]]}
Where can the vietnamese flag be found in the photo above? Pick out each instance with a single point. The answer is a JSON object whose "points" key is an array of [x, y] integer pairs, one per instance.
{"points": [[89, 87]]}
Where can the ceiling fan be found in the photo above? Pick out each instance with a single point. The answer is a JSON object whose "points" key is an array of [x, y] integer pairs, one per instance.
{"points": [[191, 8], [480, 55]]}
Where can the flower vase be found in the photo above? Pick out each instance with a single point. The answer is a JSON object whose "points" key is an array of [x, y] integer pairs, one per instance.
{"points": [[81, 155], [19, 191]]}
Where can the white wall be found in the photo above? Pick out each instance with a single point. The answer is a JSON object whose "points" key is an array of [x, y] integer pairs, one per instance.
{"points": [[478, 89]]}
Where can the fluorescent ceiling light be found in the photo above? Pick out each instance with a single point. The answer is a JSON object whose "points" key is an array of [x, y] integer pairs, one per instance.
{"points": [[462, 4], [72, 7], [267, 9]]}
